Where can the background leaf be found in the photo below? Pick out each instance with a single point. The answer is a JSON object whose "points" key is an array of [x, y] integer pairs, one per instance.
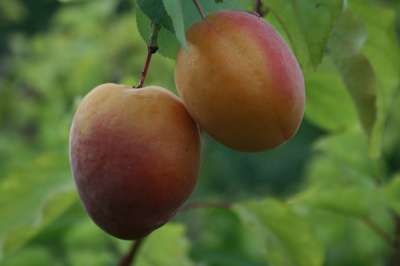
{"points": [[166, 247], [365, 67], [52, 53], [325, 92], [283, 237], [346, 43], [32, 199], [392, 194]]}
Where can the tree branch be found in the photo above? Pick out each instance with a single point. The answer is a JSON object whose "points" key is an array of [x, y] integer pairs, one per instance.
{"points": [[152, 48], [379, 231], [395, 257], [129, 258]]}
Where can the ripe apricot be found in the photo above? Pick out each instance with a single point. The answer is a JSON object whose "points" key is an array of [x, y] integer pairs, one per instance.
{"points": [[135, 157], [240, 81]]}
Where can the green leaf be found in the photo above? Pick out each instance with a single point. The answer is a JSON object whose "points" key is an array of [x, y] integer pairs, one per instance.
{"points": [[370, 66], [32, 256], [167, 43], [11, 11], [155, 11], [32, 198], [166, 246], [361, 82], [349, 236], [86, 244], [191, 14], [383, 52], [85, 234], [392, 194], [353, 200], [348, 38], [325, 92], [341, 165], [307, 24], [284, 238], [340, 180], [143, 24], [90, 257], [174, 10]]}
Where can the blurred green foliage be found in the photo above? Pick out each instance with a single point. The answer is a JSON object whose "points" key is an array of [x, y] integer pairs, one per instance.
{"points": [[316, 200]]}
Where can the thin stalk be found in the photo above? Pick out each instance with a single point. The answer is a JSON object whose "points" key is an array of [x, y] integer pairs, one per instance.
{"points": [[200, 8], [129, 258], [152, 48]]}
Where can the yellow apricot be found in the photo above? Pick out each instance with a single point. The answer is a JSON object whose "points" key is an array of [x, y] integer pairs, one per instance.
{"points": [[240, 81]]}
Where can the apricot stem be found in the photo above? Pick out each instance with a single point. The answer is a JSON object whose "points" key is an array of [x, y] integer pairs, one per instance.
{"points": [[259, 8], [200, 9], [129, 258], [152, 48]]}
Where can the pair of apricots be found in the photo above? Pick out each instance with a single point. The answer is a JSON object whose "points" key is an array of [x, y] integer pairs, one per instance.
{"points": [[135, 153]]}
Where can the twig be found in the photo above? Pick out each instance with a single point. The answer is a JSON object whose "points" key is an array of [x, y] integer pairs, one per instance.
{"points": [[394, 260], [152, 48], [192, 206], [259, 8], [129, 258], [379, 231], [200, 9]]}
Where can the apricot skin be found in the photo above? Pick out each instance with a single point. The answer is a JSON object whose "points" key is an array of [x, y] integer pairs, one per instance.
{"points": [[135, 157], [240, 81]]}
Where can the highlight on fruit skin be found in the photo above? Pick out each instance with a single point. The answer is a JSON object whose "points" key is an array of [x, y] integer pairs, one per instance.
{"points": [[134, 154], [240, 81]]}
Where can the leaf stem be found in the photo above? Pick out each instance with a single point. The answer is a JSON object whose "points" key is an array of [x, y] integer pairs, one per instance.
{"points": [[152, 48], [129, 258], [200, 8]]}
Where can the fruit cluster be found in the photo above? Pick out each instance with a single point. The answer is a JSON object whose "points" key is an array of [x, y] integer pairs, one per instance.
{"points": [[135, 153]]}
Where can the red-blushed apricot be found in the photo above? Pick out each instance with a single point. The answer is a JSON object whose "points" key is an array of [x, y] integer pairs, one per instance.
{"points": [[135, 157], [240, 81]]}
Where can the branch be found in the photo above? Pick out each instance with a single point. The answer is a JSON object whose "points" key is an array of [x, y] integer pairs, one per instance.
{"points": [[152, 48], [379, 231], [129, 258], [395, 257], [200, 9], [191, 206]]}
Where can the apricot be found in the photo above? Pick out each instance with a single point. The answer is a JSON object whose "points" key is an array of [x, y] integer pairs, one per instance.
{"points": [[240, 81], [135, 156]]}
